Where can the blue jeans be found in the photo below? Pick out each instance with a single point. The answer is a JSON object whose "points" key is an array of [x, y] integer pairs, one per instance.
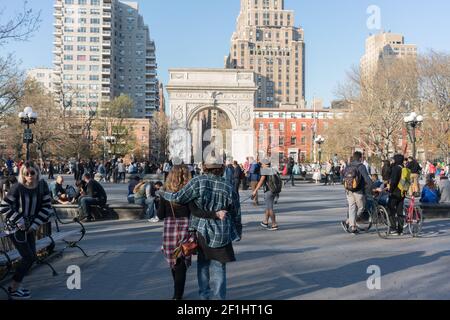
{"points": [[149, 205], [85, 203], [214, 272]]}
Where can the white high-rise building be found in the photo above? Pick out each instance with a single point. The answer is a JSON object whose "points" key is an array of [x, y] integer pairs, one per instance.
{"points": [[383, 47], [43, 76], [102, 50]]}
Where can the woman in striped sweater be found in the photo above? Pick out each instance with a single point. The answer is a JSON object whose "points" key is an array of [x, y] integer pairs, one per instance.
{"points": [[26, 207]]}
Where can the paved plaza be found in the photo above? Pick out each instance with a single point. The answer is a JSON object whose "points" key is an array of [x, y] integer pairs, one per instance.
{"points": [[310, 257]]}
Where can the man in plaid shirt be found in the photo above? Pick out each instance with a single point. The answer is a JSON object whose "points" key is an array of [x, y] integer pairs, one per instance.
{"points": [[212, 193]]}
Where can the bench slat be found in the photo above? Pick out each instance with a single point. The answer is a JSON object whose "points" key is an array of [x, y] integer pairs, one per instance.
{"points": [[40, 245]]}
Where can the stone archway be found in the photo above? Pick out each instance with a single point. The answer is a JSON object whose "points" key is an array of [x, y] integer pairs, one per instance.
{"points": [[211, 127], [228, 93]]}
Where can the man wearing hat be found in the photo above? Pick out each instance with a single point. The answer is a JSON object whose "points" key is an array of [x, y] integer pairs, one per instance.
{"points": [[211, 193]]}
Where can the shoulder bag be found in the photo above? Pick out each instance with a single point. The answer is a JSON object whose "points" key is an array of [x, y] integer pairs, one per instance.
{"points": [[188, 248]]}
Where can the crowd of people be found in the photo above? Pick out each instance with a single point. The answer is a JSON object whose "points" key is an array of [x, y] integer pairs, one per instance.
{"points": [[202, 202], [400, 178]]}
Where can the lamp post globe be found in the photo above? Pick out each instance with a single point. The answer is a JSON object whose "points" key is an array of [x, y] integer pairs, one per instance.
{"points": [[412, 121], [28, 117], [320, 140]]}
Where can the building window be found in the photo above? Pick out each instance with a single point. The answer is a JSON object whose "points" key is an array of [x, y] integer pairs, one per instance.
{"points": [[293, 141], [293, 126]]}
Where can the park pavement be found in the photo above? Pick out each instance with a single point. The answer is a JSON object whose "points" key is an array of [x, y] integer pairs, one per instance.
{"points": [[310, 257]]}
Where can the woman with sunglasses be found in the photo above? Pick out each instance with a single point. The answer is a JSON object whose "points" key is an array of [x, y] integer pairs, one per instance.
{"points": [[26, 207]]}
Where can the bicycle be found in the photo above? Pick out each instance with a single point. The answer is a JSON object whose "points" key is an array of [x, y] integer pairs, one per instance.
{"points": [[378, 216], [413, 217]]}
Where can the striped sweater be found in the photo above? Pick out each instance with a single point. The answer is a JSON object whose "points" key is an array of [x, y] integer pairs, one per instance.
{"points": [[23, 207]]}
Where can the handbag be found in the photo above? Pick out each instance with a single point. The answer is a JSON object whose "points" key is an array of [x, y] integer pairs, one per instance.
{"points": [[188, 248]]}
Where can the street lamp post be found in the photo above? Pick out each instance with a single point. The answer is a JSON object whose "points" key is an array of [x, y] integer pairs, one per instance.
{"points": [[111, 141], [28, 117], [412, 122], [319, 141]]}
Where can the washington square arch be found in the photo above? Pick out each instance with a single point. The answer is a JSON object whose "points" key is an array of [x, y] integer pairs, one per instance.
{"points": [[211, 114]]}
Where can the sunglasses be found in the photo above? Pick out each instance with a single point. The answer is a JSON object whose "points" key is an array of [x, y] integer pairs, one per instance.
{"points": [[30, 174]]}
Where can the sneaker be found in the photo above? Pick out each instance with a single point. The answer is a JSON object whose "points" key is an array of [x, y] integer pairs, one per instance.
{"points": [[25, 290], [273, 228], [154, 220], [265, 225], [354, 231], [345, 226], [19, 294], [21, 289]]}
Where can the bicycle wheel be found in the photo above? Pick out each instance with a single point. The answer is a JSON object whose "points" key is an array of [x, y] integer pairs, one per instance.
{"points": [[382, 223], [364, 222], [415, 223]]}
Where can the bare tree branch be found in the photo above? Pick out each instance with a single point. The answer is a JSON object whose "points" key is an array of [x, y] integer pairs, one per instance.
{"points": [[21, 26]]}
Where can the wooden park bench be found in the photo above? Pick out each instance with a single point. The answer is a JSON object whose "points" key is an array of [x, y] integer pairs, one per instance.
{"points": [[45, 246]]}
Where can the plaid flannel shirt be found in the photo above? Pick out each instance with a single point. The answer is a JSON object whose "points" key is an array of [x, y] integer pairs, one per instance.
{"points": [[212, 193], [176, 232]]}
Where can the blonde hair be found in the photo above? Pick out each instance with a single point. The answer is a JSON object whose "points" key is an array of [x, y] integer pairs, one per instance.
{"points": [[178, 177], [29, 166]]}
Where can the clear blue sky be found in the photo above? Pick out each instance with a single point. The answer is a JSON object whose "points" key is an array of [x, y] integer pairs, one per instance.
{"points": [[197, 33]]}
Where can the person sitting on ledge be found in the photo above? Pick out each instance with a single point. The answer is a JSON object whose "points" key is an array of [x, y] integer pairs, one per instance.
{"points": [[58, 192], [135, 181], [95, 195], [430, 194]]}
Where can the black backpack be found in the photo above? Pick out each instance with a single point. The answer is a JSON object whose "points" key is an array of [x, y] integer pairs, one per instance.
{"points": [[353, 180], [274, 183]]}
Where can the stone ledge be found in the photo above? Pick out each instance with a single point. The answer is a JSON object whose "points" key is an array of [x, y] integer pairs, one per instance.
{"points": [[436, 210], [114, 212]]}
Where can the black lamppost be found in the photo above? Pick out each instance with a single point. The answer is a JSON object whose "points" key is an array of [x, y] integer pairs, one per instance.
{"points": [[412, 122], [320, 140], [111, 141], [28, 117]]}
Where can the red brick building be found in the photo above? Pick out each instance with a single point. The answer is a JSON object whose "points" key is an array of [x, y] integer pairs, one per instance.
{"points": [[290, 132]]}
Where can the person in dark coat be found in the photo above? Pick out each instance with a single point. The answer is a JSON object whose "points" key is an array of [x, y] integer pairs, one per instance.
{"points": [[237, 174], [386, 172], [396, 197]]}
